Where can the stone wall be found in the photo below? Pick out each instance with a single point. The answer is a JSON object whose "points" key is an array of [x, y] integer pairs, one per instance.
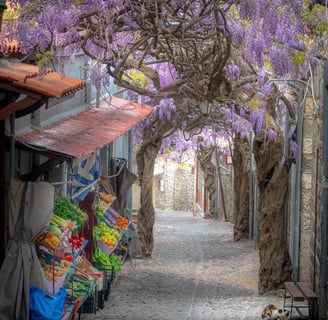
{"points": [[174, 187], [310, 196], [316, 184], [309, 171], [315, 205], [304, 229]]}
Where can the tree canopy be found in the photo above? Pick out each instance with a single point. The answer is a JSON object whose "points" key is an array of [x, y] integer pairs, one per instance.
{"points": [[239, 56], [185, 51]]}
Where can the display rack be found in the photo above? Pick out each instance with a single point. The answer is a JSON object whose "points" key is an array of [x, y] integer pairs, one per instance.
{"points": [[111, 219]]}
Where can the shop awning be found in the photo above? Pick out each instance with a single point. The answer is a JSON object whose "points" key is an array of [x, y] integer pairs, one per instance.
{"points": [[25, 79], [10, 47], [82, 134]]}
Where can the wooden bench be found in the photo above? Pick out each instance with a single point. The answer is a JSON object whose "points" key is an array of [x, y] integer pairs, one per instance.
{"points": [[300, 292]]}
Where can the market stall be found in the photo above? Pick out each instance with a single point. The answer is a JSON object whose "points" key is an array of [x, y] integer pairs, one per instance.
{"points": [[60, 248], [47, 262], [45, 249], [61, 253]]}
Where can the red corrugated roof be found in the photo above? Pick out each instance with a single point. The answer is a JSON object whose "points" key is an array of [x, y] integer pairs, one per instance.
{"points": [[83, 133]]}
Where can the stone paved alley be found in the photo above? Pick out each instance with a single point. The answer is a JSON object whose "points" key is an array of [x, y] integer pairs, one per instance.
{"points": [[196, 273]]}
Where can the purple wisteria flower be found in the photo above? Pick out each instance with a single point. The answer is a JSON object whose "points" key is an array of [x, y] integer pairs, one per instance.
{"points": [[253, 117], [166, 107], [247, 8], [291, 131], [260, 119], [238, 33], [233, 71], [261, 77], [294, 148], [279, 59], [242, 111], [272, 135]]}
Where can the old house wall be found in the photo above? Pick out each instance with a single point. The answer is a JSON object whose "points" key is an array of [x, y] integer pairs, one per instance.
{"points": [[308, 193], [315, 128], [174, 187], [311, 180]]}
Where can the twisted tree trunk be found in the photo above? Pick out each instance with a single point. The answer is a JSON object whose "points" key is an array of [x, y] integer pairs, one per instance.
{"points": [[146, 157], [272, 175], [204, 155], [240, 160]]}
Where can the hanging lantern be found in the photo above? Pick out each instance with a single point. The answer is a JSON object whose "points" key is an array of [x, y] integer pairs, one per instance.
{"points": [[205, 107]]}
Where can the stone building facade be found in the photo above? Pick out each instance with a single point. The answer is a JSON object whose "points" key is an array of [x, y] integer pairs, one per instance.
{"points": [[181, 187], [310, 200], [174, 186], [309, 193], [312, 177]]}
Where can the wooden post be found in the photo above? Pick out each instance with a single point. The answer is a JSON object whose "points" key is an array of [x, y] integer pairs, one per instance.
{"points": [[3, 191]]}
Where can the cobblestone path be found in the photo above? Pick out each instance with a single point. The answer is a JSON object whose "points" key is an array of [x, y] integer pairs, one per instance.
{"points": [[196, 273]]}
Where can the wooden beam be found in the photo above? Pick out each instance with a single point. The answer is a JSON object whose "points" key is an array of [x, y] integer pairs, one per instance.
{"points": [[38, 171], [15, 106], [3, 192]]}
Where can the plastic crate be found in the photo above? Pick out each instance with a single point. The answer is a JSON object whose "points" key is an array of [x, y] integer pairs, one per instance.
{"points": [[90, 305], [107, 286], [109, 273], [110, 284], [100, 299], [106, 294], [107, 270]]}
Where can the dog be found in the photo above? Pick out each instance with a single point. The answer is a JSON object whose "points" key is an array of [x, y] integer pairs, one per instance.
{"points": [[272, 312]]}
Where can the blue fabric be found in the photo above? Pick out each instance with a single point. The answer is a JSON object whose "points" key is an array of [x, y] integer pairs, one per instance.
{"points": [[88, 171], [46, 305]]}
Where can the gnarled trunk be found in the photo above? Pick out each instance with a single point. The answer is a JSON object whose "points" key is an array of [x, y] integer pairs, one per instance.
{"points": [[240, 160], [146, 157], [272, 176], [275, 265], [204, 155]]}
